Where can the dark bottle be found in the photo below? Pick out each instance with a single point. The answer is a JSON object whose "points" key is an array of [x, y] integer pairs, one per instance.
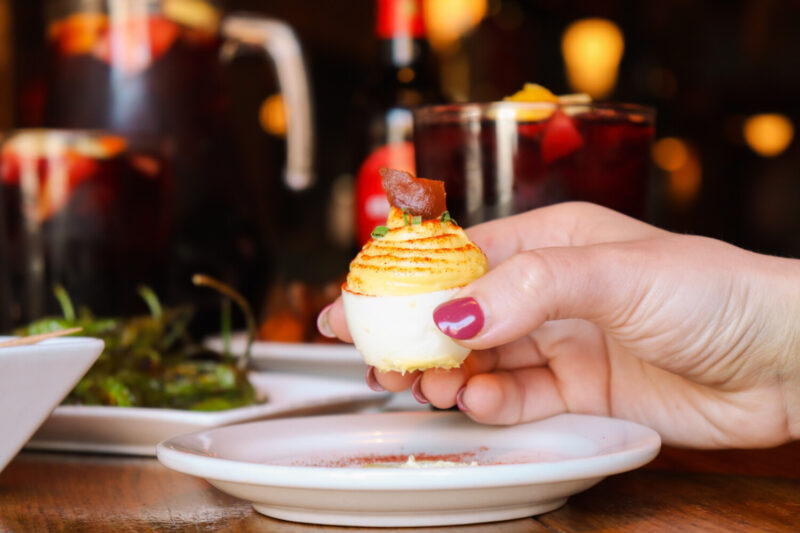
{"points": [[404, 77]]}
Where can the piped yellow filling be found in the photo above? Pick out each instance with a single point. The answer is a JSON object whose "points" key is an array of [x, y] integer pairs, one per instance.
{"points": [[415, 258]]}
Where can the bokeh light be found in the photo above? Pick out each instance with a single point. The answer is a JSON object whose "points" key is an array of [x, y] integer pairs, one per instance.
{"points": [[192, 13], [448, 20], [592, 50], [768, 134], [670, 153], [272, 115], [684, 171]]}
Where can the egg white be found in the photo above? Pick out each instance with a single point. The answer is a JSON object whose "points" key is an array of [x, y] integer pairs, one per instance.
{"points": [[398, 333]]}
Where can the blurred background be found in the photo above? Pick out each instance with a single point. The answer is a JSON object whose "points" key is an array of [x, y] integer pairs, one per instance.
{"points": [[723, 79]]}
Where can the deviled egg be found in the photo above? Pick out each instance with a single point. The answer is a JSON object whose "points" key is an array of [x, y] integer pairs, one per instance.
{"points": [[418, 260]]}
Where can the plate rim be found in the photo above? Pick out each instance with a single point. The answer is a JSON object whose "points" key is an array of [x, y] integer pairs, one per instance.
{"points": [[169, 414], [294, 352], [199, 421], [71, 342], [518, 474]]}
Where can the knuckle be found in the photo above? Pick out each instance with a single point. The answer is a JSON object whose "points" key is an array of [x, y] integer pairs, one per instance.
{"points": [[534, 271]]}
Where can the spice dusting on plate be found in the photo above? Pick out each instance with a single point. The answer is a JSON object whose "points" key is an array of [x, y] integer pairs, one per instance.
{"points": [[415, 460], [412, 462]]}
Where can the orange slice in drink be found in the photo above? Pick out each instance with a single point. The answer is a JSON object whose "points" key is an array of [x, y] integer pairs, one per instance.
{"points": [[532, 92], [78, 33], [133, 43], [559, 135]]}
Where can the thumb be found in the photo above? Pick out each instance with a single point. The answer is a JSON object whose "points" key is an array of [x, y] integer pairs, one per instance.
{"points": [[596, 283]]}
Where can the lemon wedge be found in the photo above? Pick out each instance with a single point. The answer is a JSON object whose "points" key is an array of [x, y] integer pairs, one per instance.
{"points": [[532, 92], [536, 94]]}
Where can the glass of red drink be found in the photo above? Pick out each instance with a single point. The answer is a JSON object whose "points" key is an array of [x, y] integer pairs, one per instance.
{"points": [[161, 70], [87, 210], [502, 158]]}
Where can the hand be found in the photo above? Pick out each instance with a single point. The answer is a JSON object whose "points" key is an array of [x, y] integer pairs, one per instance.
{"points": [[585, 310]]}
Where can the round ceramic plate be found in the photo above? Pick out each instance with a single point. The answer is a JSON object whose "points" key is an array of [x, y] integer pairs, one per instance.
{"points": [[317, 469]]}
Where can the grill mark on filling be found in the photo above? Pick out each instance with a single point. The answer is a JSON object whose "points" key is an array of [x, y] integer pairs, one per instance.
{"points": [[387, 250], [403, 260], [367, 259], [418, 240], [406, 269]]}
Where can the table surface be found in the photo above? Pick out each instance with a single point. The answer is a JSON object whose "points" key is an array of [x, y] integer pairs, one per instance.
{"points": [[686, 490]]}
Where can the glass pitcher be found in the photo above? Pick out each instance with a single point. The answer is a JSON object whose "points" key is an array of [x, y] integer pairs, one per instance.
{"points": [[155, 69]]}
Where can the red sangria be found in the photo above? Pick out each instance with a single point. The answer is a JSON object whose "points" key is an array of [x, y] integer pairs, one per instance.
{"points": [[502, 158], [84, 210], [156, 70], [133, 68]]}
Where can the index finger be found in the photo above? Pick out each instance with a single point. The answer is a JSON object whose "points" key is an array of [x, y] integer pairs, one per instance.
{"points": [[566, 224]]}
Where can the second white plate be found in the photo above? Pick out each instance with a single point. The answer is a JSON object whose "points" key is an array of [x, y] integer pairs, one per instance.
{"points": [[336, 360], [137, 430]]}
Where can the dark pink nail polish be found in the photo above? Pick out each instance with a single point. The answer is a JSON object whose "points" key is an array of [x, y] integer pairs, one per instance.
{"points": [[460, 319], [372, 382], [416, 390], [460, 400]]}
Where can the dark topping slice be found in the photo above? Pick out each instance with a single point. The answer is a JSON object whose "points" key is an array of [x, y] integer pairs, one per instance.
{"points": [[415, 196]]}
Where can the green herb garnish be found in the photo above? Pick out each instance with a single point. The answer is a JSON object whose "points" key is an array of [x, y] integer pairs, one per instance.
{"points": [[447, 218], [379, 231], [416, 221], [405, 217]]}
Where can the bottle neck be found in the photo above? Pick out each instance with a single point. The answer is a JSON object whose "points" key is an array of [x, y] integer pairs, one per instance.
{"points": [[402, 52], [400, 29]]}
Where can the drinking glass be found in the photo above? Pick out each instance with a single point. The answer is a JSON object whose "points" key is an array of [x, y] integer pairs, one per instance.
{"points": [[162, 70], [502, 158], [86, 210]]}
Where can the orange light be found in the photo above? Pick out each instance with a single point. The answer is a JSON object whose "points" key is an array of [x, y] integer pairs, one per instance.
{"points": [[198, 14], [406, 74], [592, 50], [768, 134], [448, 20], [684, 171], [684, 182], [670, 153], [272, 115]]}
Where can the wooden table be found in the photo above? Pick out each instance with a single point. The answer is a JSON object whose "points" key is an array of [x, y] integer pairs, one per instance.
{"points": [[680, 491]]}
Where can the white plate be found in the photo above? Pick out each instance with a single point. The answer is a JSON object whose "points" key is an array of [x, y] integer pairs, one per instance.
{"points": [[137, 430], [337, 360], [523, 470], [33, 380]]}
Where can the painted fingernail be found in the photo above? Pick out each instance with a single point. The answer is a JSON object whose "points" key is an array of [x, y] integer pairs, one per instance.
{"points": [[460, 319], [460, 400], [416, 390], [372, 382], [323, 325]]}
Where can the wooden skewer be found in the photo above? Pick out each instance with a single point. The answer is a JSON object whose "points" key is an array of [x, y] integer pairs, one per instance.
{"points": [[33, 339]]}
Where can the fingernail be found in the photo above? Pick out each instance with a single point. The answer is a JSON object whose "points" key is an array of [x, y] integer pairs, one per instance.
{"points": [[460, 400], [416, 390], [460, 319], [323, 325], [372, 383]]}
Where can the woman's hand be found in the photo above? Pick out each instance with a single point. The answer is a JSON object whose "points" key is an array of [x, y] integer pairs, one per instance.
{"points": [[585, 310]]}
